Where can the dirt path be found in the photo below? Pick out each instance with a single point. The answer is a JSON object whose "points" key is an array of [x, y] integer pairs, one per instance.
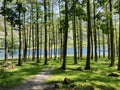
{"points": [[38, 82]]}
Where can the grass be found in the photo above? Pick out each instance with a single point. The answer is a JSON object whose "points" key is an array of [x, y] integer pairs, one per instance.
{"points": [[13, 77], [97, 77]]}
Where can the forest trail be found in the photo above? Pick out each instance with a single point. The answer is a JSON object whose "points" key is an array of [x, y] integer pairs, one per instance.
{"points": [[38, 82]]}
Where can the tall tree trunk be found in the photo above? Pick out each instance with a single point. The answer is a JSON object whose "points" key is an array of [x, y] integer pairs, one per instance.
{"points": [[74, 34], [49, 43], [91, 44], [37, 34], [78, 40], [30, 37], [65, 37], [5, 28], [25, 41], [109, 49], [56, 41], [53, 33], [61, 35], [95, 35], [20, 43], [12, 48], [119, 39], [87, 67], [81, 40], [116, 40], [27, 38], [41, 41], [45, 24], [103, 45], [33, 39], [108, 37], [99, 42], [49, 35], [111, 36]]}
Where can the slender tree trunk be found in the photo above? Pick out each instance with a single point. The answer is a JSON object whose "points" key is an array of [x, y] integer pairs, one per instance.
{"points": [[51, 48], [99, 41], [95, 35], [116, 40], [27, 38], [56, 41], [25, 41], [12, 48], [33, 39], [30, 38], [49, 35], [109, 49], [20, 43], [37, 35], [81, 40], [45, 23], [49, 43], [74, 34], [119, 39], [78, 41], [53, 34], [103, 45], [6, 43], [111, 36], [41, 41], [91, 44], [61, 35], [65, 37], [87, 67]]}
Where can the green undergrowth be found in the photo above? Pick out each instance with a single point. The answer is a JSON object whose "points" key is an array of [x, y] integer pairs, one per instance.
{"points": [[96, 78], [12, 77]]}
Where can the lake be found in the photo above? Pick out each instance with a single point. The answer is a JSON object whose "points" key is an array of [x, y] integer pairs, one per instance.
{"points": [[70, 51]]}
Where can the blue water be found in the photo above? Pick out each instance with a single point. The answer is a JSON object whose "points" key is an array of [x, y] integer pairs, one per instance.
{"points": [[70, 51]]}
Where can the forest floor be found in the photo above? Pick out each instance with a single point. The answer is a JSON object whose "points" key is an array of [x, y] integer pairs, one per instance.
{"points": [[38, 82], [36, 76]]}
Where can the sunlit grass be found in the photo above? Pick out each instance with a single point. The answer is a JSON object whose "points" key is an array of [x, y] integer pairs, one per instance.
{"points": [[19, 74], [97, 77]]}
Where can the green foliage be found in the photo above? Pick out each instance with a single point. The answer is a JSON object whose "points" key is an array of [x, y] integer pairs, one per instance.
{"points": [[79, 11], [117, 7], [11, 14], [102, 2], [11, 44], [62, 28]]}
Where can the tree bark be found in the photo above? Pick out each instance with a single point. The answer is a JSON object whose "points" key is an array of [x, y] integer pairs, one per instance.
{"points": [[74, 34], [87, 67], [5, 29], [65, 37], [45, 24], [95, 36], [111, 36], [37, 34], [20, 42], [119, 39]]}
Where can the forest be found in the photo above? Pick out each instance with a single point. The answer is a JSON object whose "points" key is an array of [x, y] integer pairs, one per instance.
{"points": [[59, 44]]}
